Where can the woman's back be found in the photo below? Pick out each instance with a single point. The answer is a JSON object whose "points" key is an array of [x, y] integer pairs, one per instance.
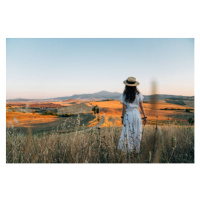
{"points": [[139, 97], [131, 119]]}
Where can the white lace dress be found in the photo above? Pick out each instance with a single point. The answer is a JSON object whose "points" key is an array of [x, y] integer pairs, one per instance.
{"points": [[132, 127]]}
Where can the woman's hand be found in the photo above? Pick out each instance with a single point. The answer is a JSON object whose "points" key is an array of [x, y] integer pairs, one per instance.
{"points": [[145, 121]]}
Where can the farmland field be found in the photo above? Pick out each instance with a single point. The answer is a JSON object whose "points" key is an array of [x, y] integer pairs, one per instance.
{"points": [[163, 113], [50, 114], [48, 132]]}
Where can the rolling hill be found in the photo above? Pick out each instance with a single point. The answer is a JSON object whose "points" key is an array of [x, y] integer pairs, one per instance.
{"points": [[101, 96]]}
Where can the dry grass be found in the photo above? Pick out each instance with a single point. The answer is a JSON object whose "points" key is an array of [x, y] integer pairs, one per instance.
{"points": [[173, 144]]}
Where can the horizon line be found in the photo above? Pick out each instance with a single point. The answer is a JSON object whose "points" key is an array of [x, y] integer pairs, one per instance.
{"points": [[91, 93]]}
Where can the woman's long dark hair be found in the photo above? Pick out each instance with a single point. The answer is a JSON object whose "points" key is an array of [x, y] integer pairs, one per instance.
{"points": [[130, 93]]}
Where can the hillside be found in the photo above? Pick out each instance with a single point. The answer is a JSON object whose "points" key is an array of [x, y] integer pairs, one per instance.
{"points": [[104, 95]]}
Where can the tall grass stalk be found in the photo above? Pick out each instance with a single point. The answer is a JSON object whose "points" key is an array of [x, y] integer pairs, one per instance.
{"points": [[166, 144]]}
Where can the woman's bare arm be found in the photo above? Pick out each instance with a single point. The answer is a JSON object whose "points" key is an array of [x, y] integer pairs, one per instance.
{"points": [[123, 111], [142, 109]]}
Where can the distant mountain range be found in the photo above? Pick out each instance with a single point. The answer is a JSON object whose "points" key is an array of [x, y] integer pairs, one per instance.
{"points": [[99, 96]]}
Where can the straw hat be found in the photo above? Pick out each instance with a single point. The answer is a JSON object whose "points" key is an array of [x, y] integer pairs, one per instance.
{"points": [[131, 81]]}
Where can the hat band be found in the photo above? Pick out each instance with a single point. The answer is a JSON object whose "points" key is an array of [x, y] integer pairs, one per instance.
{"points": [[130, 82]]}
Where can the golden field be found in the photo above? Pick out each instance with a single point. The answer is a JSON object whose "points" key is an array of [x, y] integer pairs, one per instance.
{"points": [[19, 119], [110, 111], [48, 104], [113, 109], [23, 119]]}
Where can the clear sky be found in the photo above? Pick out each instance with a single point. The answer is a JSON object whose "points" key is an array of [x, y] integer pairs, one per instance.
{"points": [[44, 68]]}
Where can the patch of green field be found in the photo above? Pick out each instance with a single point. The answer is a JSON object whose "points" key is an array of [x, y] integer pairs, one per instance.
{"points": [[75, 109], [177, 102]]}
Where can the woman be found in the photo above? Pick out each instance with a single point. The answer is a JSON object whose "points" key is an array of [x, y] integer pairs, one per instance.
{"points": [[132, 124]]}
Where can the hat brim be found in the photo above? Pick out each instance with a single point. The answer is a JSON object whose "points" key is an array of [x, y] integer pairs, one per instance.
{"points": [[135, 84]]}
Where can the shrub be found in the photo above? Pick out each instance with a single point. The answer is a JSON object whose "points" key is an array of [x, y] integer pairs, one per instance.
{"points": [[95, 109], [49, 113], [191, 120]]}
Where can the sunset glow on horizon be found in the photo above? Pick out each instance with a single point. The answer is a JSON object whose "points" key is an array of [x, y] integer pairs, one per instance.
{"points": [[48, 68]]}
